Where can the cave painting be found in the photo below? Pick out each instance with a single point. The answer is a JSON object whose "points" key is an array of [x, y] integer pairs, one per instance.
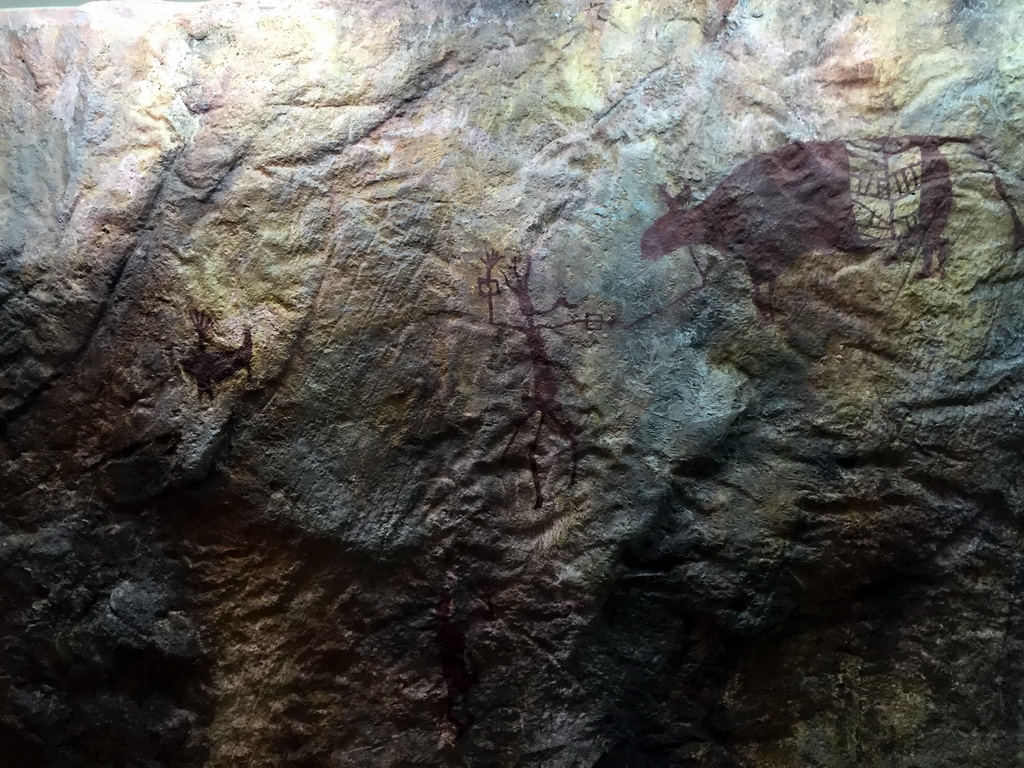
{"points": [[543, 402], [212, 366], [457, 670], [891, 194]]}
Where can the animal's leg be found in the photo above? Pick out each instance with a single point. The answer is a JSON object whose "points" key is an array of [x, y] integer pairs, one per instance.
{"points": [[943, 254], [934, 247], [902, 246], [934, 207], [758, 299], [926, 263], [765, 308], [702, 269], [939, 247], [535, 466]]}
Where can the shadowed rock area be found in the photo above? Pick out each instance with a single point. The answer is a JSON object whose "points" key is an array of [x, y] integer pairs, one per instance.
{"points": [[616, 384]]}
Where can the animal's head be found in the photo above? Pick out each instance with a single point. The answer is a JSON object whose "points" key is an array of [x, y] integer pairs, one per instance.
{"points": [[680, 226]]}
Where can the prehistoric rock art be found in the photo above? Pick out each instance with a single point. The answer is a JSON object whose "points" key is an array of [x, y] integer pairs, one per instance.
{"points": [[708, 544], [458, 677], [889, 193], [459, 674], [209, 367], [544, 400]]}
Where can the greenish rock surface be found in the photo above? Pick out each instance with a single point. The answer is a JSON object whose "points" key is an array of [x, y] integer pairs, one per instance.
{"points": [[344, 423]]}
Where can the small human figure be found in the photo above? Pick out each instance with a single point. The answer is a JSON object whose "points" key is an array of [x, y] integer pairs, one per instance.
{"points": [[459, 675], [544, 401]]}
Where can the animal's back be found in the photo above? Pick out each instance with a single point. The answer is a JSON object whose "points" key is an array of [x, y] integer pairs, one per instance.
{"points": [[778, 205]]}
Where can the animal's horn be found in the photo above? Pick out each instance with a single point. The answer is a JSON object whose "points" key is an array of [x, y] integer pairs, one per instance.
{"points": [[666, 198], [678, 202]]}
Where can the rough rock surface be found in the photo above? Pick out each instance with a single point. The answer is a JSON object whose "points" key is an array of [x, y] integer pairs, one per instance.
{"points": [[344, 423]]}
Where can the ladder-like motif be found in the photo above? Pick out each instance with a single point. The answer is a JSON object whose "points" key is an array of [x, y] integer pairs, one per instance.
{"points": [[885, 182]]}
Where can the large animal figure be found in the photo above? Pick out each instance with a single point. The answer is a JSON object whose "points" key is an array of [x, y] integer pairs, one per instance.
{"points": [[891, 193]]}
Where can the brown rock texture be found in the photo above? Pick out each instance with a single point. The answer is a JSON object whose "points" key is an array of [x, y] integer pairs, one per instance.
{"points": [[616, 384]]}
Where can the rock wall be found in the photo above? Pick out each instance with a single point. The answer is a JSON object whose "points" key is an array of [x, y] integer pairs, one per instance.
{"points": [[553, 383]]}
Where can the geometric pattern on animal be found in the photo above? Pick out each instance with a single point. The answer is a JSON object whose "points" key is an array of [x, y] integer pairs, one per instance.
{"points": [[885, 182], [212, 366], [886, 194]]}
